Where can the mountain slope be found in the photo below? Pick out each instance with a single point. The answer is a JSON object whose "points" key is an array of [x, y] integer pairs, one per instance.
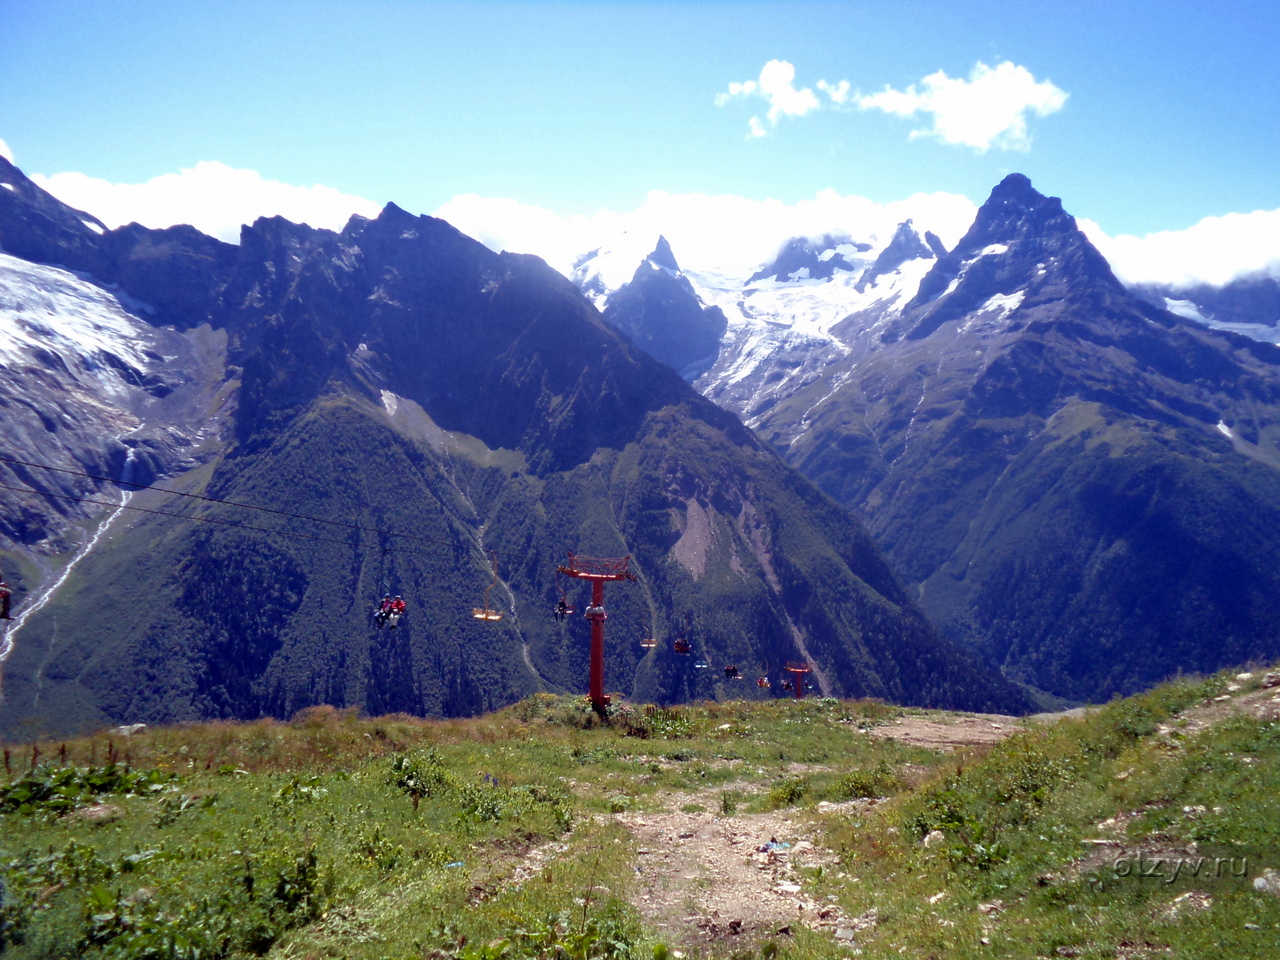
{"points": [[401, 377], [663, 316], [1083, 485]]}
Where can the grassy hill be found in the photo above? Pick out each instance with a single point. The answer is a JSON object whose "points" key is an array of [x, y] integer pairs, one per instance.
{"points": [[782, 829]]}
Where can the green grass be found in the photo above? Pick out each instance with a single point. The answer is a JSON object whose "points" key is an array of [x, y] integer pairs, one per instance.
{"points": [[336, 836]]}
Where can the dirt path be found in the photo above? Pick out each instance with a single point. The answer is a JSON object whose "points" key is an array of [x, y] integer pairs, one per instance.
{"points": [[704, 878], [733, 881], [949, 732]]}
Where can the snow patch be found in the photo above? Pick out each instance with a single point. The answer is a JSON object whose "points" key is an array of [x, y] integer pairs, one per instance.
{"points": [[992, 249], [1225, 430], [9, 186], [92, 226], [1255, 331], [49, 311], [1185, 309], [1004, 302], [390, 402]]}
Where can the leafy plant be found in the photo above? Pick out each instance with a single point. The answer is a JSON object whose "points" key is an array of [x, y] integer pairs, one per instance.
{"points": [[50, 789]]}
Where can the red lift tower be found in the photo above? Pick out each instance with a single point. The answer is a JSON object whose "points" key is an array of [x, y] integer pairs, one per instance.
{"points": [[598, 571], [797, 671]]}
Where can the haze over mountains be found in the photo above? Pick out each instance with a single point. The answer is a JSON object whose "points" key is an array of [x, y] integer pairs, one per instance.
{"points": [[445, 400]]}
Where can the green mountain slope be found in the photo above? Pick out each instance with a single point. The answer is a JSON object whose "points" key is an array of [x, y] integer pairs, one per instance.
{"points": [[1080, 485], [401, 377]]}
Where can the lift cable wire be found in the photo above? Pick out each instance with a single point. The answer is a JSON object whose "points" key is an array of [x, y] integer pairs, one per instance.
{"points": [[182, 516], [229, 503]]}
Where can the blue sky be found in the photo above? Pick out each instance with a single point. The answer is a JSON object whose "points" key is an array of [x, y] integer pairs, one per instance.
{"points": [[1169, 114]]}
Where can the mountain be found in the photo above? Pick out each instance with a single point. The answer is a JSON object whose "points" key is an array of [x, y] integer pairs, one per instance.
{"points": [[438, 404], [803, 259], [782, 333], [662, 315], [1082, 486], [1249, 305]]}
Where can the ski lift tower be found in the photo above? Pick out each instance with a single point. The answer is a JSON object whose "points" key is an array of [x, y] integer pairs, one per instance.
{"points": [[599, 572], [797, 671]]}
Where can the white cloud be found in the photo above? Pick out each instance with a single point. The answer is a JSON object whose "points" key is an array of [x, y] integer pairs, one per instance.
{"points": [[838, 92], [725, 235], [6, 152], [211, 196], [1214, 251], [777, 88], [990, 109]]}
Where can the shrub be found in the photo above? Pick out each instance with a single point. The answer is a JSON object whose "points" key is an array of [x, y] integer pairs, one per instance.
{"points": [[883, 781], [788, 792]]}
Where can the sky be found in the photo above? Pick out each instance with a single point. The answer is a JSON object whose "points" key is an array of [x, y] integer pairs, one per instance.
{"points": [[543, 126]]}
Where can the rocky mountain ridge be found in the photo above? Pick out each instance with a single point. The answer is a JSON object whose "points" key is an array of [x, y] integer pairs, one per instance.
{"points": [[1063, 470], [402, 377]]}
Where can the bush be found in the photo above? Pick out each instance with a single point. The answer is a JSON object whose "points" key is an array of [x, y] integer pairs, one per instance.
{"points": [[788, 792], [883, 781]]}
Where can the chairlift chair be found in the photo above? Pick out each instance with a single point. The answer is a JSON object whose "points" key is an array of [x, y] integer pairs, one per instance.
{"points": [[564, 607], [486, 612]]}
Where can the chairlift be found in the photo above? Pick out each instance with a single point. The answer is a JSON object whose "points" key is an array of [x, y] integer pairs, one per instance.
{"points": [[731, 672], [564, 608], [649, 643], [762, 681], [702, 665], [797, 669], [486, 612], [682, 645], [5, 596]]}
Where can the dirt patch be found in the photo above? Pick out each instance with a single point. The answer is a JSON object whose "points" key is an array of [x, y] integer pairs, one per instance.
{"points": [[1262, 703], [703, 878], [949, 732]]}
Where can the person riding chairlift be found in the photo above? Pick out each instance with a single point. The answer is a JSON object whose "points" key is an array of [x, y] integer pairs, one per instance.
{"points": [[5, 594], [395, 610], [384, 610], [562, 609]]}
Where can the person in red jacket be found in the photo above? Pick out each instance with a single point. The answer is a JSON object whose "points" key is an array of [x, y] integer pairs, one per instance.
{"points": [[5, 594], [395, 612]]}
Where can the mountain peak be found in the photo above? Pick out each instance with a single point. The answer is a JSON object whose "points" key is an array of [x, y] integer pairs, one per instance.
{"points": [[1014, 211], [905, 245], [1021, 240], [662, 255]]}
